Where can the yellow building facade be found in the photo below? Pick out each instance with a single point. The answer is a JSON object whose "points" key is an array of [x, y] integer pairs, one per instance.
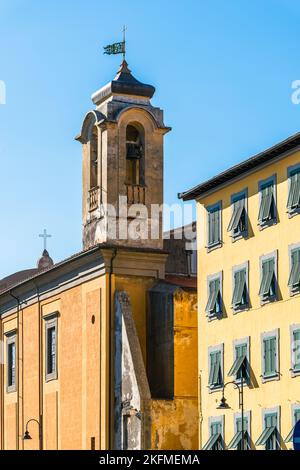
{"points": [[80, 368], [248, 300]]}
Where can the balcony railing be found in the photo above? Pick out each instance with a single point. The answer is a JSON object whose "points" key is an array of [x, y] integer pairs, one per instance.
{"points": [[136, 194], [94, 198]]}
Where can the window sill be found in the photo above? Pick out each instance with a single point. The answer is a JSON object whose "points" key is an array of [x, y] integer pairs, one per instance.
{"points": [[268, 300], [270, 378], [213, 247], [293, 212], [239, 236], [216, 316], [216, 388], [295, 373], [244, 308], [51, 378], [295, 292], [269, 223], [11, 389]]}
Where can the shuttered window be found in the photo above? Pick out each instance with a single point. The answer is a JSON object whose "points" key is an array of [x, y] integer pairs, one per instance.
{"points": [[239, 367], [237, 224], [236, 442], [294, 279], [214, 305], [296, 418], [214, 235], [215, 371], [268, 279], [215, 440], [296, 351], [239, 298], [269, 436], [270, 356], [294, 191], [267, 203]]}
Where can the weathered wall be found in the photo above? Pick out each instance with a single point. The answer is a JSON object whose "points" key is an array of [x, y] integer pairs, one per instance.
{"points": [[132, 394], [175, 421]]}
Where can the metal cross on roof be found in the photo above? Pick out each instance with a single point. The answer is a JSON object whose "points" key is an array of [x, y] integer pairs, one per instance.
{"points": [[45, 235]]}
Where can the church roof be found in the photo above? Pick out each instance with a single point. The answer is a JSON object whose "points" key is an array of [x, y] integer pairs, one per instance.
{"points": [[123, 83], [16, 278]]}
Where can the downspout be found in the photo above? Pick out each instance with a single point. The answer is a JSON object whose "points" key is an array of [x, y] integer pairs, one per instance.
{"points": [[18, 366], [110, 350], [40, 332]]}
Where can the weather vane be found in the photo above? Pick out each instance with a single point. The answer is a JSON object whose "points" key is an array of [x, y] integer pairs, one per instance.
{"points": [[117, 47]]}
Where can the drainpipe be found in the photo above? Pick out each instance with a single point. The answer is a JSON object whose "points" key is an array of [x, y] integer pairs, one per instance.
{"points": [[200, 416], [17, 299], [110, 350], [40, 333]]}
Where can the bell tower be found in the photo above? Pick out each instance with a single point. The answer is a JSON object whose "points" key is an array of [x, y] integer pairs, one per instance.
{"points": [[123, 141]]}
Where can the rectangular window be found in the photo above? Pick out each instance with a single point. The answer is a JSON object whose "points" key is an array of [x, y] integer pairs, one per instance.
{"points": [[215, 369], [296, 351], [270, 435], [293, 203], [294, 279], [239, 442], [215, 441], [270, 357], [267, 209], [214, 225], [11, 363], [240, 295], [214, 303], [51, 348], [238, 222], [295, 419], [268, 287], [240, 367]]}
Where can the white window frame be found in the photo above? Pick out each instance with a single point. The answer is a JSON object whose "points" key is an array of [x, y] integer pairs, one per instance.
{"points": [[239, 342], [213, 277], [219, 244], [294, 327], [262, 258], [267, 411], [11, 338], [292, 212], [212, 349], [236, 268], [264, 336], [271, 179], [241, 194], [50, 322]]}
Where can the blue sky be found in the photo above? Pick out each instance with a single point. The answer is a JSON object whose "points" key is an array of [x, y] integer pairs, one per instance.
{"points": [[223, 73]]}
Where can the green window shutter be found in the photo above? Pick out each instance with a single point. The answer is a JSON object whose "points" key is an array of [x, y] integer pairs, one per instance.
{"points": [[296, 417], [266, 203], [268, 273], [240, 358], [214, 291], [215, 369], [238, 208], [270, 356], [239, 288], [266, 434], [294, 278], [294, 193], [296, 350], [214, 226]]}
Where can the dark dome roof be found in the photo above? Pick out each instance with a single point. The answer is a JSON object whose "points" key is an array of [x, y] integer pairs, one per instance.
{"points": [[124, 83], [15, 278]]}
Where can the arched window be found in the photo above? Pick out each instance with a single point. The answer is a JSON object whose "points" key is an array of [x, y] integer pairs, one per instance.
{"points": [[134, 156], [94, 159]]}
